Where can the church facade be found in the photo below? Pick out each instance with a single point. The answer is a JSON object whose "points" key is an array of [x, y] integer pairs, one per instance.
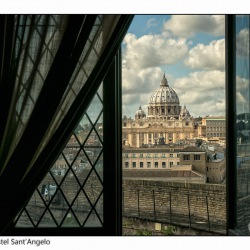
{"points": [[167, 121]]}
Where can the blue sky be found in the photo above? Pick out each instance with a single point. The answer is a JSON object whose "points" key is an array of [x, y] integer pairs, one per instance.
{"points": [[189, 49]]}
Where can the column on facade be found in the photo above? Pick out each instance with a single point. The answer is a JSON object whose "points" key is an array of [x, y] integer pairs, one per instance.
{"points": [[137, 140], [191, 135], [129, 139], [174, 137], [166, 137]]}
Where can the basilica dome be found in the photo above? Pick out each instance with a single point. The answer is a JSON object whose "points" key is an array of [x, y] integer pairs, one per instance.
{"points": [[164, 102], [184, 112], [164, 94], [140, 113]]}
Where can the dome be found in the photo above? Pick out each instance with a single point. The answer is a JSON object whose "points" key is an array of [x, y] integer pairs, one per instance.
{"points": [[164, 94], [140, 113], [164, 102], [185, 112]]}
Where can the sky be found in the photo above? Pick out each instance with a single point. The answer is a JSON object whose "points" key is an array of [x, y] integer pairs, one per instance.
{"points": [[189, 49]]}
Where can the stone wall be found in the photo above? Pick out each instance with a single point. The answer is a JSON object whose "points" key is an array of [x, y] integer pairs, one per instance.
{"points": [[195, 205]]}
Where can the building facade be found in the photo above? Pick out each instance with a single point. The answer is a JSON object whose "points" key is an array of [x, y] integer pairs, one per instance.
{"points": [[212, 167], [166, 119], [150, 158], [215, 126]]}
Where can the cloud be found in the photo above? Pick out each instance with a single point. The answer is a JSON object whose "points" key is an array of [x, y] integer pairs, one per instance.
{"points": [[152, 22], [152, 50], [188, 25], [211, 56], [144, 58], [203, 92], [242, 94], [242, 42], [140, 81]]}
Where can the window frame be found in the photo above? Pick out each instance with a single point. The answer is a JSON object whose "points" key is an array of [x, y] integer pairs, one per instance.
{"points": [[112, 176]]}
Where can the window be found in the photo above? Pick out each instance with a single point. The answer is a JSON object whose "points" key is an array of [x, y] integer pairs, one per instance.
{"points": [[197, 157], [240, 226], [163, 164], [148, 164], [163, 155], [134, 164], [148, 156], [156, 156], [126, 164], [171, 155], [186, 157], [156, 164], [134, 155], [171, 164], [141, 164], [141, 155], [239, 206], [126, 155]]}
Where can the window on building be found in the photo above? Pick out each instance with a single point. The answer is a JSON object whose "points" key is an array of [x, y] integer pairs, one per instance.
{"points": [[148, 155], [134, 155], [156, 155], [126, 164], [148, 164], [186, 157], [171, 164], [126, 155], [134, 164], [197, 157], [171, 155], [163, 164], [156, 164], [141, 164], [163, 155], [141, 155]]}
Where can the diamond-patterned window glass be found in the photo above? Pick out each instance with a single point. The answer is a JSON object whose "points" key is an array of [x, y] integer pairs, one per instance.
{"points": [[71, 195]]}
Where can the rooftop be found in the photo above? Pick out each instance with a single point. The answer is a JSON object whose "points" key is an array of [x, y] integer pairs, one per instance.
{"points": [[192, 149]]}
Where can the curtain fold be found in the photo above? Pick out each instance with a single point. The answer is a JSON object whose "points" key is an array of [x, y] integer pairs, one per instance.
{"points": [[51, 66]]}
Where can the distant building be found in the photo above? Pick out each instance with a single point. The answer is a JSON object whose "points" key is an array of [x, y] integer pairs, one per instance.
{"points": [[194, 161], [166, 119], [205, 163], [215, 127], [160, 157]]}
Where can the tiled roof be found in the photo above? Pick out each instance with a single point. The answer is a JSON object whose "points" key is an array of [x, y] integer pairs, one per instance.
{"points": [[192, 149]]}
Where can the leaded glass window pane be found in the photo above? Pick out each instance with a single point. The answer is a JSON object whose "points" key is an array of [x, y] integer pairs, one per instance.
{"points": [[71, 194]]}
